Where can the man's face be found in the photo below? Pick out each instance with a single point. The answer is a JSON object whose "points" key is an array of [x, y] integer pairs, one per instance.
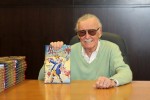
{"points": [[89, 41]]}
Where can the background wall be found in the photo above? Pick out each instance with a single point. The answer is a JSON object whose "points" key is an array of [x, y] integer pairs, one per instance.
{"points": [[26, 26]]}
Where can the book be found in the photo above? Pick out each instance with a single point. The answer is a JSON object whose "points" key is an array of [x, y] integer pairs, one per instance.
{"points": [[57, 64], [2, 77]]}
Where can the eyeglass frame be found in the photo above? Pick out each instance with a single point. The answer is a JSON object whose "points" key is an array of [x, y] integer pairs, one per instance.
{"points": [[88, 31]]}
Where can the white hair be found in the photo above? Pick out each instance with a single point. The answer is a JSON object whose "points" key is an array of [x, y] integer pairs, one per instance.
{"points": [[87, 16]]}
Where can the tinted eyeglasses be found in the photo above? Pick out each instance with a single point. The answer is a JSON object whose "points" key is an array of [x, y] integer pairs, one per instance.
{"points": [[91, 32]]}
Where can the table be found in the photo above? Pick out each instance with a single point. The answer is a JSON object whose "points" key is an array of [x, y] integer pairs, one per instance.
{"points": [[77, 90]]}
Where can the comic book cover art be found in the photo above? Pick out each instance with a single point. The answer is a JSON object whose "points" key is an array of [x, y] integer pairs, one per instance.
{"points": [[57, 64]]}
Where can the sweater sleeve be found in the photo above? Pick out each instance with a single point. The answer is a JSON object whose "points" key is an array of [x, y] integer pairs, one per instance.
{"points": [[41, 74], [122, 71]]}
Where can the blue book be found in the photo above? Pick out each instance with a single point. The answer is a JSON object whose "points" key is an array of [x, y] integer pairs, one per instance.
{"points": [[57, 64]]}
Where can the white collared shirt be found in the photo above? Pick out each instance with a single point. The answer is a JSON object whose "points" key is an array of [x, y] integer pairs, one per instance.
{"points": [[93, 55]]}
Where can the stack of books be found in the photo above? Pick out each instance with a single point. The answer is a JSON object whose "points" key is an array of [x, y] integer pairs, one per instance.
{"points": [[9, 75], [12, 71], [20, 67], [2, 77]]}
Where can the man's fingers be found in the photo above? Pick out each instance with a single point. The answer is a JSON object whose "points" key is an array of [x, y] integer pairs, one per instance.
{"points": [[56, 45], [103, 83]]}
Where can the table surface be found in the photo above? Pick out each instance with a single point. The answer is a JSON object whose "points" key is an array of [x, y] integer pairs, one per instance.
{"points": [[77, 90]]}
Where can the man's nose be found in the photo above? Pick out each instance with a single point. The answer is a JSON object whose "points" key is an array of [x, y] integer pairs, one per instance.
{"points": [[87, 35]]}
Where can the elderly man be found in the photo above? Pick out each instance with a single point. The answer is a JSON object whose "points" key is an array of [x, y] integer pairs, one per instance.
{"points": [[95, 59]]}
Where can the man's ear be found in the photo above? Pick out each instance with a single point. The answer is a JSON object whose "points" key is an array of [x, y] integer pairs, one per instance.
{"points": [[100, 33], [78, 37]]}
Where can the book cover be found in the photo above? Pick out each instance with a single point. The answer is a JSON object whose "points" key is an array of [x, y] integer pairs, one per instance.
{"points": [[57, 64]]}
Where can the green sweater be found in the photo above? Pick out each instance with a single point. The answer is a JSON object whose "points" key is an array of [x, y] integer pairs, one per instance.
{"points": [[108, 62]]}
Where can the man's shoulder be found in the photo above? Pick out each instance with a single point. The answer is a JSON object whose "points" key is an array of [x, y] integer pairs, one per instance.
{"points": [[108, 43], [76, 45]]}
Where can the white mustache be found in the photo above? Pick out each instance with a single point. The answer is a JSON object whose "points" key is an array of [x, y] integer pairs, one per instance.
{"points": [[88, 40]]}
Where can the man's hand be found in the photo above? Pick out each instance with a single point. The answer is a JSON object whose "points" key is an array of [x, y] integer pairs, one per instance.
{"points": [[57, 45], [104, 83]]}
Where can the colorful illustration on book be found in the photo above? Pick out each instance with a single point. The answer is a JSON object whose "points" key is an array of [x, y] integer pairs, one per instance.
{"points": [[57, 64]]}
